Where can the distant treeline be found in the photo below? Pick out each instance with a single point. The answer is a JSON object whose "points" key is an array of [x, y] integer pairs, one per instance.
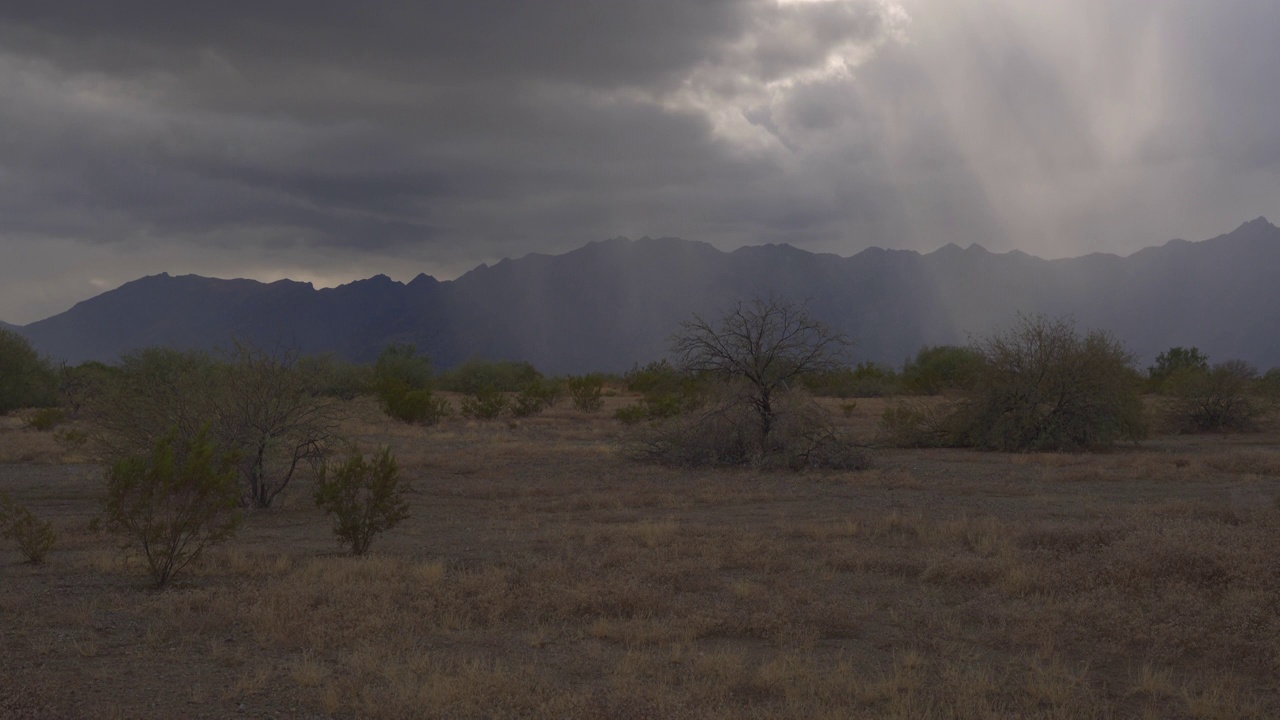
{"points": [[405, 380]]}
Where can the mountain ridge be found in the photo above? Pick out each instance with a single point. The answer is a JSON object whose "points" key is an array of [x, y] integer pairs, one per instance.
{"points": [[612, 303]]}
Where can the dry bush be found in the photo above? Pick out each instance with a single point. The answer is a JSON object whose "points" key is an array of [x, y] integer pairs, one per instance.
{"points": [[917, 423], [1043, 386], [35, 537], [1213, 400], [726, 431]]}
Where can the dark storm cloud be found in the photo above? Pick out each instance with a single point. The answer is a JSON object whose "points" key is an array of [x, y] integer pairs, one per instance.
{"points": [[264, 138]]}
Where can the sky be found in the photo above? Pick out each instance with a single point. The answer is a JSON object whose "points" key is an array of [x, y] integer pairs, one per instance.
{"points": [[327, 141]]}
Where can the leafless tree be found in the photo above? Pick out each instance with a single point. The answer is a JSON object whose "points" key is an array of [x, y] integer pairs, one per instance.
{"points": [[273, 419], [764, 344]]}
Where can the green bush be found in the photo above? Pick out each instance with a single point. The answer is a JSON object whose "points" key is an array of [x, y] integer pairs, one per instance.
{"points": [[864, 380], [259, 406], [332, 377], [475, 375], [941, 369], [1214, 400], [667, 392], [417, 406], [175, 502], [1174, 360], [364, 497], [537, 395], [484, 403], [26, 379], [586, 391], [35, 537], [1044, 386], [402, 380]]}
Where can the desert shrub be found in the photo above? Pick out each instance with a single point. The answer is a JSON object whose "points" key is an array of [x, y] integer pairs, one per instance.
{"points": [[941, 369], [364, 496], [866, 379], [402, 380], [173, 503], [268, 414], [485, 403], [153, 392], [586, 391], [476, 374], [1044, 386], [26, 379], [666, 392], [536, 395], [1174, 360], [917, 424], [1213, 400], [82, 384], [45, 419], [333, 377], [417, 406], [727, 431], [35, 537]]}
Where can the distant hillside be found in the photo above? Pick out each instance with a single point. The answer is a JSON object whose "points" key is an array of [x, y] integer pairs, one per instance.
{"points": [[613, 303], [6, 326]]}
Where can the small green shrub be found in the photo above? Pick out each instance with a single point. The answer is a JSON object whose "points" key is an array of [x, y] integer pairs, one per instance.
{"points": [[631, 414], [865, 379], [402, 382], [364, 497], [45, 419], [475, 374], [35, 537], [417, 406], [587, 391], [484, 403], [173, 504], [535, 396]]}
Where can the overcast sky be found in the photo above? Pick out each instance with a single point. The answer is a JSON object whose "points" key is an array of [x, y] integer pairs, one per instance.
{"points": [[275, 138]]}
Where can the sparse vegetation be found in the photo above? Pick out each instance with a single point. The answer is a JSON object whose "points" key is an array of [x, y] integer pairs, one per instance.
{"points": [[485, 402], [175, 502], [541, 575], [35, 537], [364, 496], [586, 391], [402, 380], [508, 376], [536, 395], [45, 419]]}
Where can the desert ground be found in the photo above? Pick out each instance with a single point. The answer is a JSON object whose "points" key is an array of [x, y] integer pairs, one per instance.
{"points": [[545, 574]]}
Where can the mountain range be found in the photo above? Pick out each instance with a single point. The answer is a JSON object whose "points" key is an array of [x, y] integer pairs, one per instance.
{"points": [[614, 303]]}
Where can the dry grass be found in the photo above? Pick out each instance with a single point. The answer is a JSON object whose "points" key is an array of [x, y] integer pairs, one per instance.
{"points": [[544, 576]]}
